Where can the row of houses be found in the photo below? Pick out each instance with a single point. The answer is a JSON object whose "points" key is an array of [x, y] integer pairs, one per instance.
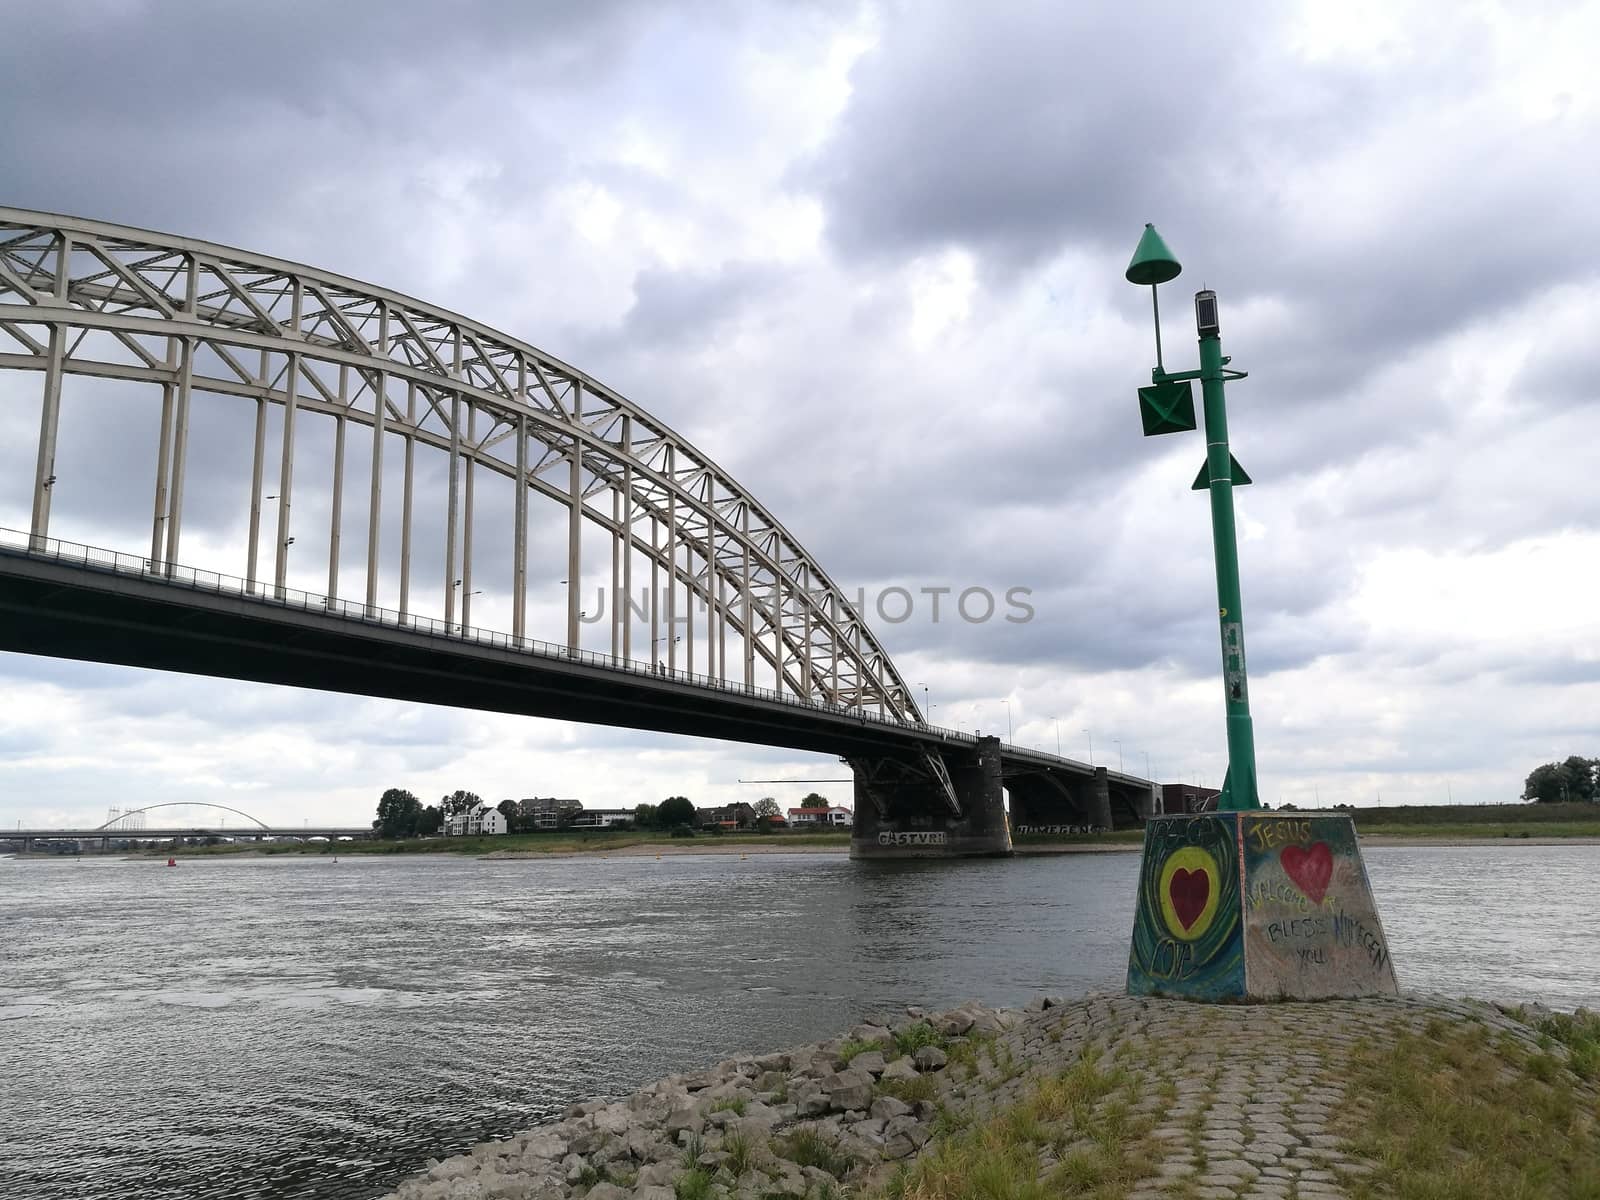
{"points": [[743, 816], [535, 812], [550, 812]]}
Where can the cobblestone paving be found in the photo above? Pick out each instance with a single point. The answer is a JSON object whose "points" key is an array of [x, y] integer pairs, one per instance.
{"points": [[1243, 1097]]}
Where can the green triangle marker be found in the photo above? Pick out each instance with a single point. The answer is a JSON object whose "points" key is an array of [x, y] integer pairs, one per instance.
{"points": [[1202, 481]]}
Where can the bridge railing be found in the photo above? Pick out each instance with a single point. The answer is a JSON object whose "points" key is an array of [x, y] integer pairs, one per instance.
{"points": [[117, 562]]}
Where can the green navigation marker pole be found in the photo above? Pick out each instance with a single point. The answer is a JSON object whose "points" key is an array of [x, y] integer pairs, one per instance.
{"points": [[1239, 787], [1168, 407]]}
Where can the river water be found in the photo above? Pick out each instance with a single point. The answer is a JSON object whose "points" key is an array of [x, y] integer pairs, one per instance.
{"points": [[295, 1027]]}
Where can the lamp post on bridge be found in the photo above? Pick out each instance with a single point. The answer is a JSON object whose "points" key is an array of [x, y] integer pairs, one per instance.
{"points": [[466, 601], [1167, 406]]}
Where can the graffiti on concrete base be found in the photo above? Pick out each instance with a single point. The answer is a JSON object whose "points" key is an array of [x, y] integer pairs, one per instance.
{"points": [[913, 837], [1060, 829], [1257, 905]]}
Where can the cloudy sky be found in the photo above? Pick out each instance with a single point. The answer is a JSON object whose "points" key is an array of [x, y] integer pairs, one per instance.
{"points": [[869, 257]]}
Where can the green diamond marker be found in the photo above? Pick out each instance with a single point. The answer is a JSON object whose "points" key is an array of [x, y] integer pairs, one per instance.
{"points": [[1166, 408]]}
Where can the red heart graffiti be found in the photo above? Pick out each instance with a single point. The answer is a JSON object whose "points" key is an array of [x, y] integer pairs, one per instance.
{"points": [[1310, 868], [1189, 891]]}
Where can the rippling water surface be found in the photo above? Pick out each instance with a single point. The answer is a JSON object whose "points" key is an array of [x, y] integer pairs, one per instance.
{"points": [[294, 1027]]}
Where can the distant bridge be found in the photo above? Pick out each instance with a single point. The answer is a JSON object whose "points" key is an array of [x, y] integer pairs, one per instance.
{"points": [[99, 835], [772, 652], [122, 819]]}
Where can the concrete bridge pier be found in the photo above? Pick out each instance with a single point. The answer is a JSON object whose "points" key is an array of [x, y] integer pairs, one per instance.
{"points": [[1043, 800], [1131, 805], [948, 803]]}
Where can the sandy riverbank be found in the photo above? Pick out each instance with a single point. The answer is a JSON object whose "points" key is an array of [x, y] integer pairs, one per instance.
{"points": [[1366, 839], [687, 847], [744, 849], [1391, 839]]}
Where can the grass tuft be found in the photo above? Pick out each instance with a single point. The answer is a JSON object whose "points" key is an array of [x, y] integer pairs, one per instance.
{"points": [[740, 1149], [921, 1087], [692, 1151], [1579, 1032], [917, 1035], [693, 1185], [1461, 1114], [998, 1159], [806, 1148], [854, 1047]]}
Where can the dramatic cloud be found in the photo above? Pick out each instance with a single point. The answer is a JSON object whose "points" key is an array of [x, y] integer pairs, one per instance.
{"points": [[869, 258]]}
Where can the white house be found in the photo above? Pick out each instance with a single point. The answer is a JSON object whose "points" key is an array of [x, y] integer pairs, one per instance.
{"points": [[836, 816], [481, 820], [602, 818]]}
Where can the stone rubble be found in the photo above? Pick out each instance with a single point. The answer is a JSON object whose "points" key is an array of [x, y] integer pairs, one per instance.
{"points": [[1238, 1100]]}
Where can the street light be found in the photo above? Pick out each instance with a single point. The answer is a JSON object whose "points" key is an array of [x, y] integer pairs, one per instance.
{"points": [[1118, 743], [461, 627], [1057, 723], [674, 639], [1007, 703], [1167, 406], [1090, 736]]}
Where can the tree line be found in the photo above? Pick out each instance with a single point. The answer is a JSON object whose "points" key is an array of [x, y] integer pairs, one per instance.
{"points": [[1575, 780], [402, 815]]}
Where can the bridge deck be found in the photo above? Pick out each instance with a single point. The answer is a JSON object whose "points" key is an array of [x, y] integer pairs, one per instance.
{"points": [[68, 601]]}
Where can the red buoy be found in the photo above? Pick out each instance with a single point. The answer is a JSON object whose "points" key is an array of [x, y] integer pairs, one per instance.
{"points": [[172, 862]]}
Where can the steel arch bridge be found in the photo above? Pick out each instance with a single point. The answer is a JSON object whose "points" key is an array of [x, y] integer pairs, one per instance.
{"points": [[87, 298], [205, 323]]}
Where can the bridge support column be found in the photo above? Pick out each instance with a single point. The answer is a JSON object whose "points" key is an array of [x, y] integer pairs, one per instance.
{"points": [[44, 478], [1046, 805], [903, 809], [1100, 800]]}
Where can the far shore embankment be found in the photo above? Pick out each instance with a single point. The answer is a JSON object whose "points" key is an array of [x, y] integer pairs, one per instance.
{"points": [[678, 849], [1437, 838], [1416, 826]]}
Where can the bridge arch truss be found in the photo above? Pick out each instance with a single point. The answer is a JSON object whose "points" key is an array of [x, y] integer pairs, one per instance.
{"points": [[205, 322], [116, 823]]}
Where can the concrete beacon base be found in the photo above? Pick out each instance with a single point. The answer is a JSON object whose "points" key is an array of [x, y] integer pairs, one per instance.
{"points": [[1256, 906]]}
